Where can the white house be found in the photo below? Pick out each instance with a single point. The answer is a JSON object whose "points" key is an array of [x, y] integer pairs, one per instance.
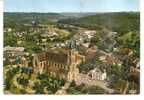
{"points": [[97, 74]]}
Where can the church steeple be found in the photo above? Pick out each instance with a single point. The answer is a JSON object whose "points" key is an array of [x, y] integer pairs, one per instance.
{"points": [[72, 44]]}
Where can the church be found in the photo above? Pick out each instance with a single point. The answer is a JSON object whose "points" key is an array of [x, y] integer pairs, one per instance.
{"points": [[63, 64]]}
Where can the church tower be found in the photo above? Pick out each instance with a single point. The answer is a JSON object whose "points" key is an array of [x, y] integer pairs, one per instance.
{"points": [[73, 70]]}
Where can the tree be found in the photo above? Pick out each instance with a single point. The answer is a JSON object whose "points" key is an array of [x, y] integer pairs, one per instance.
{"points": [[9, 39], [130, 40]]}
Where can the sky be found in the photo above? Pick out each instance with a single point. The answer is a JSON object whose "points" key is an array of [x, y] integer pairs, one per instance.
{"points": [[70, 5]]}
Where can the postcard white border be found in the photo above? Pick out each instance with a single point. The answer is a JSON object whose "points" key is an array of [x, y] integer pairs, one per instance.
{"points": [[80, 97]]}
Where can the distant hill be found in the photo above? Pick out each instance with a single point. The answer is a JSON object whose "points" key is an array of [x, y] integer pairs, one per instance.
{"points": [[118, 21], [77, 15], [18, 18]]}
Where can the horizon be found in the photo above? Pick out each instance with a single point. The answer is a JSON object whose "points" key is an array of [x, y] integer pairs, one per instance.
{"points": [[78, 12], [76, 6]]}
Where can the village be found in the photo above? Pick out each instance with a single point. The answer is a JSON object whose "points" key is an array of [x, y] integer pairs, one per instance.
{"points": [[61, 53]]}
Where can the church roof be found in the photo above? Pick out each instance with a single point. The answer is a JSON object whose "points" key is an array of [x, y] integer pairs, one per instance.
{"points": [[53, 57]]}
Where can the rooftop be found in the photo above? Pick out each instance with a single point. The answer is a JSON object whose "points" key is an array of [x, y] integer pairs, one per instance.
{"points": [[60, 58]]}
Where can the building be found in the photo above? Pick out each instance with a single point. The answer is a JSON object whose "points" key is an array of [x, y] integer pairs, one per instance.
{"points": [[24, 62], [12, 55], [62, 63], [97, 74]]}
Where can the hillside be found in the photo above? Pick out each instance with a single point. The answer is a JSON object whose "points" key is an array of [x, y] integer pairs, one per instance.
{"points": [[19, 18], [119, 22]]}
